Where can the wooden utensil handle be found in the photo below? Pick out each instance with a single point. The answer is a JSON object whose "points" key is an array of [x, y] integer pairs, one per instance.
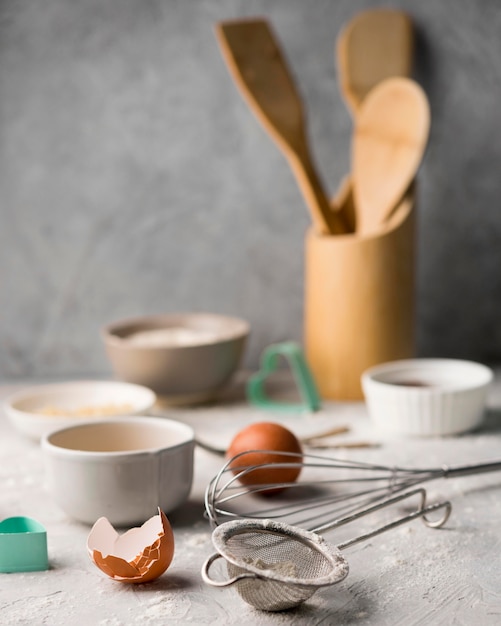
{"points": [[326, 220]]}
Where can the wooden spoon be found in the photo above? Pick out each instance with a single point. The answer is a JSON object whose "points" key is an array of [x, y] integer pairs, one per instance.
{"points": [[391, 132], [375, 45], [259, 69]]}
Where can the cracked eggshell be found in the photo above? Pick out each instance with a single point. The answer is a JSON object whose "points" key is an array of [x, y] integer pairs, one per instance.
{"points": [[139, 555]]}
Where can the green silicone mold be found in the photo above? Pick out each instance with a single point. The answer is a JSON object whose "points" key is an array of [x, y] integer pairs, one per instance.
{"points": [[23, 545]]}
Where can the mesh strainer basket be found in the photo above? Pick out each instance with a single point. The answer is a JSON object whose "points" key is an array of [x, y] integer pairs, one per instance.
{"points": [[276, 566]]}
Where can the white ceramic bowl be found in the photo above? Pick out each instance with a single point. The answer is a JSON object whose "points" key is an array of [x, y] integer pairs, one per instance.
{"points": [[122, 469], [426, 397], [186, 358], [36, 411]]}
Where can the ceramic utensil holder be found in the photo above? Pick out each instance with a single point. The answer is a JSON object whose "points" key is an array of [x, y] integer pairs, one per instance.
{"points": [[359, 300]]}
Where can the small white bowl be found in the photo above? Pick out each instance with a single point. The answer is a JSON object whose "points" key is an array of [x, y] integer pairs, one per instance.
{"points": [[38, 410], [122, 469], [427, 397]]}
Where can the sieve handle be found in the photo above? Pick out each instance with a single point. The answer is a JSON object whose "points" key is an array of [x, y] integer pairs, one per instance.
{"points": [[422, 512], [221, 583]]}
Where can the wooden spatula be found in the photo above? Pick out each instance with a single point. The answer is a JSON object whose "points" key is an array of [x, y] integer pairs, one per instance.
{"points": [[258, 67], [375, 45], [391, 132]]}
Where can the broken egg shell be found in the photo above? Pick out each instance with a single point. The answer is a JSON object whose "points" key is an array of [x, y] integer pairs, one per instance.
{"points": [[139, 555]]}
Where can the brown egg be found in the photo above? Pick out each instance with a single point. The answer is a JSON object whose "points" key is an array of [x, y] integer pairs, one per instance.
{"points": [[261, 443]]}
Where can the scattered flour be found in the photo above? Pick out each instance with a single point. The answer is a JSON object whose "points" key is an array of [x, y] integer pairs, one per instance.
{"points": [[200, 539], [110, 621]]}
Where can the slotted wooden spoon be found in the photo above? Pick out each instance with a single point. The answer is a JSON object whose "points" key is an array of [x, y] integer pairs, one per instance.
{"points": [[376, 44], [259, 69], [391, 132]]}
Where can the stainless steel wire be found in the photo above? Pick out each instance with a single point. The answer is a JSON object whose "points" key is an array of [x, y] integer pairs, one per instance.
{"points": [[328, 488]]}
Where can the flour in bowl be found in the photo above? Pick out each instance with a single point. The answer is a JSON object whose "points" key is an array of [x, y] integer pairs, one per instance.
{"points": [[173, 336]]}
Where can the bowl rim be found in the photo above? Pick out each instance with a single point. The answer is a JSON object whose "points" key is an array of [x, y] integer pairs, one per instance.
{"points": [[59, 451], [109, 331], [10, 402], [369, 376]]}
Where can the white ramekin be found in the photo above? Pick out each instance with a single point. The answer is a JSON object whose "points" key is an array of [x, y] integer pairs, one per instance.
{"points": [[427, 397]]}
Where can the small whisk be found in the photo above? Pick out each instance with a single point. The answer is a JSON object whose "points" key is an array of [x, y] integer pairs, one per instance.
{"points": [[328, 488], [276, 566]]}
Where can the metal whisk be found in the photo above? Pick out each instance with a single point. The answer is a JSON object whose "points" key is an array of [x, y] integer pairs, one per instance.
{"points": [[328, 488]]}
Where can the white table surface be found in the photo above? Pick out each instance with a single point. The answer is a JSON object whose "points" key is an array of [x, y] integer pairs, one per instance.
{"points": [[411, 575]]}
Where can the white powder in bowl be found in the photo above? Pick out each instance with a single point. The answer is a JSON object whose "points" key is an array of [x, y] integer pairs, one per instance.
{"points": [[173, 336]]}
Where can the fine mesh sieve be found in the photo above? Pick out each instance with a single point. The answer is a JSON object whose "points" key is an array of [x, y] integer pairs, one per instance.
{"points": [[276, 566]]}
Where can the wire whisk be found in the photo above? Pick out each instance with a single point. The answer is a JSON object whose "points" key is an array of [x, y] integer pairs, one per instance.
{"points": [[327, 488]]}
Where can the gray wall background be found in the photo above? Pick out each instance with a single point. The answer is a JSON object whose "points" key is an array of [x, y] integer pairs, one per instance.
{"points": [[134, 179]]}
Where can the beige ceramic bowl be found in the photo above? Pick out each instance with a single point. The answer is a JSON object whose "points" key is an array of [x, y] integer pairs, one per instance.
{"points": [[427, 397], [185, 358]]}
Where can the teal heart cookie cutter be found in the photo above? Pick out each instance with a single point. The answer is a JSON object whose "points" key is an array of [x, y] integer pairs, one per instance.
{"points": [[23, 545], [270, 359]]}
